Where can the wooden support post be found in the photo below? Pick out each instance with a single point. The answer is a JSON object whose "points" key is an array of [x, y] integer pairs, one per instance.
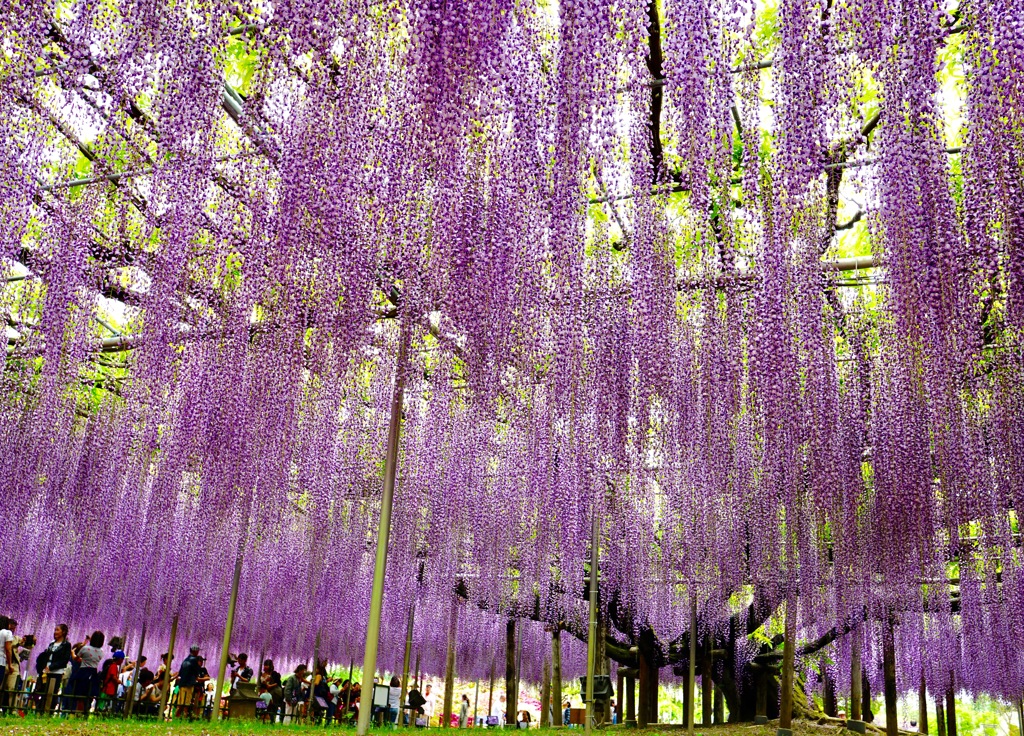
{"points": [[167, 670], [950, 709], [922, 706], [631, 701], [510, 673], [620, 694], [856, 674], [312, 678], [691, 682], [476, 704], [556, 674], [892, 723], [449, 666], [592, 628], [348, 695], [940, 717], [384, 530], [545, 695], [788, 657], [490, 694], [719, 706], [229, 625], [129, 705], [706, 685], [407, 655]]}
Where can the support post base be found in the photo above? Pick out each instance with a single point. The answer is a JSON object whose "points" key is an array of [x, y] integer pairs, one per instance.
{"points": [[629, 723], [760, 720], [855, 726], [784, 732]]}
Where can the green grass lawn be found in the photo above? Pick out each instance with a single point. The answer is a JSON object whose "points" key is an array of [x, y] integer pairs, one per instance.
{"points": [[31, 726]]}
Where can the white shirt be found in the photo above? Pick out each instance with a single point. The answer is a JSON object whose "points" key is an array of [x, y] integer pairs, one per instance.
{"points": [[6, 635], [394, 697], [428, 706]]}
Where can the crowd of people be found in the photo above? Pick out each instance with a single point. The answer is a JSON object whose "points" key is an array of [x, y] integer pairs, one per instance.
{"points": [[93, 676]]}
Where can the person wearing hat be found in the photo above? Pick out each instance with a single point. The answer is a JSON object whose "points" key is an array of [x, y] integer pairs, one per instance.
{"points": [[188, 675]]}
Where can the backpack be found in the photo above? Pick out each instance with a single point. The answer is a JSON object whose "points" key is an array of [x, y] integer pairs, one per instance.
{"points": [[416, 699]]}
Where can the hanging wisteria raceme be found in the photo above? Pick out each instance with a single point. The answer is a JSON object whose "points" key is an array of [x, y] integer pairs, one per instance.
{"points": [[608, 236]]}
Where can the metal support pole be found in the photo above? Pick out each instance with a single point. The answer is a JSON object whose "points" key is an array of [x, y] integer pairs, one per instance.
{"points": [[691, 682], [225, 647], [167, 670], [129, 706], [592, 627], [383, 532]]}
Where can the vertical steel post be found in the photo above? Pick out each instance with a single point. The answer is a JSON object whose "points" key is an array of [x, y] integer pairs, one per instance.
{"points": [[383, 532]]}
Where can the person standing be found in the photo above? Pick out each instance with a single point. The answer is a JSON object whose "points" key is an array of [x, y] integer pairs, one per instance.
{"points": [[428, 704], [294, 697], [84, 682], [241, 673], [394, 701], [50, 666], [464, 711], [110, 678], [8, 661], [188, 675]]}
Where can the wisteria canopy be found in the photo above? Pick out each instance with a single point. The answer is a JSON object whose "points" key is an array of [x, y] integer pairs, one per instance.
{"points": [[746, 279]]}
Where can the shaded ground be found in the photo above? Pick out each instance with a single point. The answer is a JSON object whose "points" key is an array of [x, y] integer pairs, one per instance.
{"points": [[33, 727]]}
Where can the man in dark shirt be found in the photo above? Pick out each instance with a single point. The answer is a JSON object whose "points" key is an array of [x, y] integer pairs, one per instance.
{"points": [[241, 673], [187, 677]]}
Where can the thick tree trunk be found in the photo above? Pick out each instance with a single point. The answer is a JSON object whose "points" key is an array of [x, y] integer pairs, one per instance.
{"points": [[511, 695], [829, 704], [865, 700], [719, 706], [892, 724], [556, 674], [647, 713]]}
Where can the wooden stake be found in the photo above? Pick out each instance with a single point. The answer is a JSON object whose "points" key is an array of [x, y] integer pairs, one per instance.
{"points": [[167, 671], [449, 667], [691, 681], [383, 532], [892, 724], [786, 706], [556, 674], [130, 705]]}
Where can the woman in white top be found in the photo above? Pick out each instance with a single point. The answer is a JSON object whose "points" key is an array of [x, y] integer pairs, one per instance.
{"points": [[81, 684], [394, 700]]}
